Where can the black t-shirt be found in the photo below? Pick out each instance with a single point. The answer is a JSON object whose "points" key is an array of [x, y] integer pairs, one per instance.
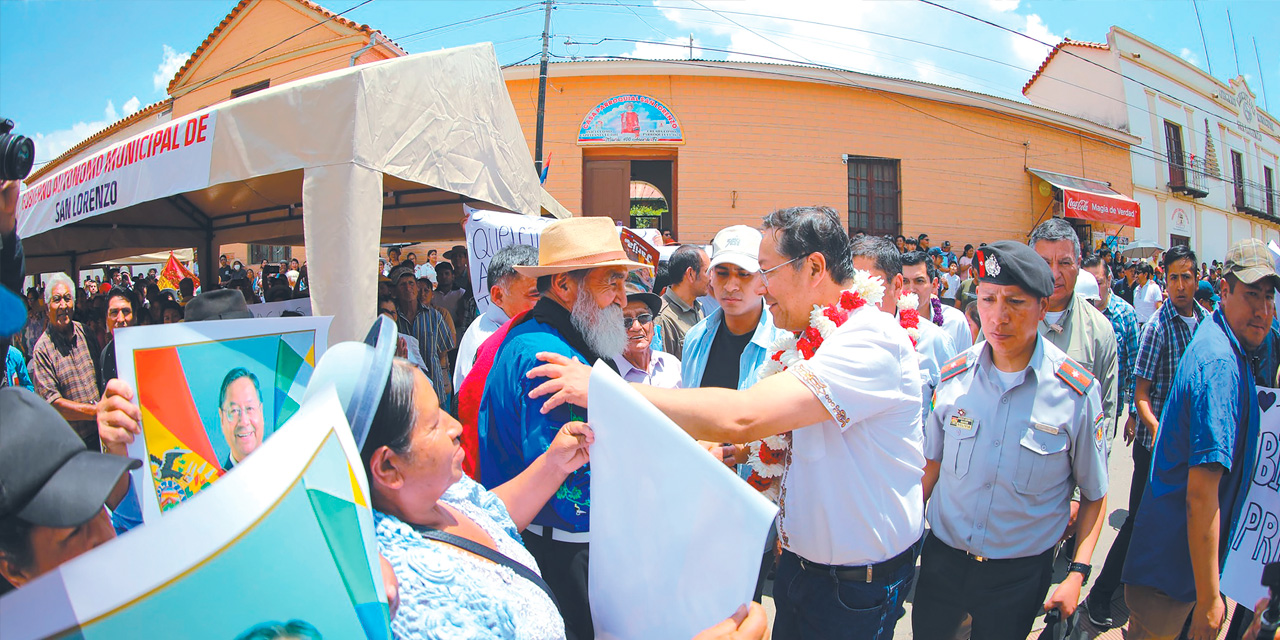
{"points": [[724, 357]]}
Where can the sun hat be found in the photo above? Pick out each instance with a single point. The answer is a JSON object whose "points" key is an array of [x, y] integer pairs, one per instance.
{"points": [[358, 371], [47, 476], [578, 243], [219, 304]]}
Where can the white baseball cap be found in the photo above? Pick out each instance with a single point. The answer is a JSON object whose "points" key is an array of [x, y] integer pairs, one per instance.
{"points": [[1087, 286], [738, 245]]}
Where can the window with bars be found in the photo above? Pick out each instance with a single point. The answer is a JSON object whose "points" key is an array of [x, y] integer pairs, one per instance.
{"points": [[874, 195], [1268, 183]]}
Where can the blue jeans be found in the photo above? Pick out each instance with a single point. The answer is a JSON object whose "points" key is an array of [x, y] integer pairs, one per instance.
{"points": [[814, 605]]}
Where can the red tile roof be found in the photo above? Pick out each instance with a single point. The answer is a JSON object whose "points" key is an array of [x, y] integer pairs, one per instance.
{"points": [[1058, 47], [324, 13]]}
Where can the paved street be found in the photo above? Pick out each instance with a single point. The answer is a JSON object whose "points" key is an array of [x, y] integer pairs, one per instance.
{"points": [[1121, 471]]}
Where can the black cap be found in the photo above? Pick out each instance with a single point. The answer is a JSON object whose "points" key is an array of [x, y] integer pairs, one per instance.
{"points": [[1007, 262], [47, 477], [637, 293], [220, 304]]}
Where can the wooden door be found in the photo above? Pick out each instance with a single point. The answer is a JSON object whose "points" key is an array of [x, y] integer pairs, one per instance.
{"points": [[606, 189]]}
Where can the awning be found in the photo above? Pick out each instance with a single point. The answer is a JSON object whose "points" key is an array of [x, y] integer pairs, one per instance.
{"points": [[1092, 200]]}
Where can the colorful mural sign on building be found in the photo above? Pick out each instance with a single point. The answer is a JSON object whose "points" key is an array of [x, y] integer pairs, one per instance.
{"points": [[630, 118]]}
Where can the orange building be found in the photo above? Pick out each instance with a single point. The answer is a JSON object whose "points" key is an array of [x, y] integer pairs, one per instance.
{"points": [[727, 142], [260, 44], [709, 144]]}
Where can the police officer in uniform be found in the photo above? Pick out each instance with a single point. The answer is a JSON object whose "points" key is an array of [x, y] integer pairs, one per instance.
{"points": [[1016, 425]]}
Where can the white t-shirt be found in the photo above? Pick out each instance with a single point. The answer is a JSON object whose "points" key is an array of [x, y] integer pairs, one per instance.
{"points": [[952, 286], [1145, 300], [1054, 317], [1191, 322], [852, 492]]}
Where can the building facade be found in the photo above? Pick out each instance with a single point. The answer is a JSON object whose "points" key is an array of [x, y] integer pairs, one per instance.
{"points": [[1205, 169], [721, 143]]}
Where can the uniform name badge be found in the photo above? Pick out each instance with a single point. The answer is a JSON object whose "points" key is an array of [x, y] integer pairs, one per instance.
{"points": [[961, 422]]}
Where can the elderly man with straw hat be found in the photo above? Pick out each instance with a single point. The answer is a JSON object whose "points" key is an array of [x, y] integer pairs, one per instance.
{"points": [[581, 274]]}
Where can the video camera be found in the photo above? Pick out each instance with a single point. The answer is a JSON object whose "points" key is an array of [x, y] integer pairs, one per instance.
{"points": [[17, 153], [1270, 617]]}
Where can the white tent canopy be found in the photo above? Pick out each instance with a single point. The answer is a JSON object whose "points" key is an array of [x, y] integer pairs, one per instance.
{"points": [[383, 152]]}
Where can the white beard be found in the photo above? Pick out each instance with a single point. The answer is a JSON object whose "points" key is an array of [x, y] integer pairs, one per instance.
{"points": [[601, 329]]}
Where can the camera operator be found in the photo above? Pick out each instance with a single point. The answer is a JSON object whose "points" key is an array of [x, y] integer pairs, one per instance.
{"points": [[12, 269]]}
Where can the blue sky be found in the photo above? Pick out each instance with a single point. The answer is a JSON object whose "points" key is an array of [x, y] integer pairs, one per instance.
{"points": [[70, 67]]}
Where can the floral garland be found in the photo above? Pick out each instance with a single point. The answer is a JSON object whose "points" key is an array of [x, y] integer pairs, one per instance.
{"points": [[909, 317], [937, 310], [768, 456]]}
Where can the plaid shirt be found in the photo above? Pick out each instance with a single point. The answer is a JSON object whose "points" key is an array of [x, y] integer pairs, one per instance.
{"points": [[431, 331], [1164, 339], [64, 367], [1125, 322]]}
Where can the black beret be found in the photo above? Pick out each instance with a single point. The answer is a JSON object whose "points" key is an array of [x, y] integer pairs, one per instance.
{"points": [[1007, 262]]}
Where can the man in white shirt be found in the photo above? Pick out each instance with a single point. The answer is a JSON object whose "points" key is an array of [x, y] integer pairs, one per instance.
{"points": [[1147, 297], [851, 500], [921, 277], [510, 294]]}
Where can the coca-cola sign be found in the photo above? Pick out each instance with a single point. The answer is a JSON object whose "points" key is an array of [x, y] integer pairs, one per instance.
{"points": [[1101, 208]]}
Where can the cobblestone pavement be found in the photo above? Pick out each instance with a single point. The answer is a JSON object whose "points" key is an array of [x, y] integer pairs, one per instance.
{"points": [[1120, 469]]}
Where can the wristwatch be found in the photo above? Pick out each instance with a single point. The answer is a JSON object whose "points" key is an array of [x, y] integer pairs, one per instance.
{"points": [[1083, 569]]}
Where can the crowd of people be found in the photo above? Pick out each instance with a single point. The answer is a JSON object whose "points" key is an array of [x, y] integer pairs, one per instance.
{"points": [[904, 407]]}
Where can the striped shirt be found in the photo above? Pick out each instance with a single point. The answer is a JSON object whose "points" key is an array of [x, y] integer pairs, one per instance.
{"points": [[64, 367], [1164, 338], [435, 340], [1125, 322]]}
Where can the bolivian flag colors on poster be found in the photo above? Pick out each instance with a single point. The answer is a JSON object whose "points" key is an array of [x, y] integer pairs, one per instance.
{"points": [[288, 537], [173, 273], [179, 392]]}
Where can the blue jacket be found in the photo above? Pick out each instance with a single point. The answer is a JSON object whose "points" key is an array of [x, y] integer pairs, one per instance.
{"points": [[697, 346], [513, 432]]}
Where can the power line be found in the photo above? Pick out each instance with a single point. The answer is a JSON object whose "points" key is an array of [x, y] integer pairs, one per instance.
{"points": [[1081, 87], [246, 60]]}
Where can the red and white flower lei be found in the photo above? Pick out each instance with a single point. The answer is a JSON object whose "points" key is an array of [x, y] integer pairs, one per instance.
{"points": [[768, 456], [909, 317]]}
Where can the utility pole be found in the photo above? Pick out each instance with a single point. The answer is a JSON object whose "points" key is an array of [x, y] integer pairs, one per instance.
{"points": [[1234, 49], [542, 89], [1261, 78], [691, 46]]}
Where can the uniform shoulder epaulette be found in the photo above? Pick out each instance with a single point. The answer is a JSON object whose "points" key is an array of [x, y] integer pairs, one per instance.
{"points": [[954, 367], [1076, 376]]}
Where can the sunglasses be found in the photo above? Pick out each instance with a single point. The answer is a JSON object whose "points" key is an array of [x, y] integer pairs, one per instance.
{"points": [[643, 319]]}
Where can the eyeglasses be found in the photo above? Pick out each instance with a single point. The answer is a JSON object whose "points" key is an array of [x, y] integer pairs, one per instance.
{"points": [[764, 275], [237, 412], [643, 319]]}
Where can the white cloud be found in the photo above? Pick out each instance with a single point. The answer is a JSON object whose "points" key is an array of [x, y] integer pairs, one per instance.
{"points": [[169, 65], [872, 37], [131, 106], [1190, 56], [53, 144]]}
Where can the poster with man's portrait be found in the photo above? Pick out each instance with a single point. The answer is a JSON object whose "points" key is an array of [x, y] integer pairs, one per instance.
{"points": [[210, 393]]}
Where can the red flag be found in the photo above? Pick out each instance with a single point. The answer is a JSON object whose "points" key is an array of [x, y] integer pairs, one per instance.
{"points": [[173, 273]]}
